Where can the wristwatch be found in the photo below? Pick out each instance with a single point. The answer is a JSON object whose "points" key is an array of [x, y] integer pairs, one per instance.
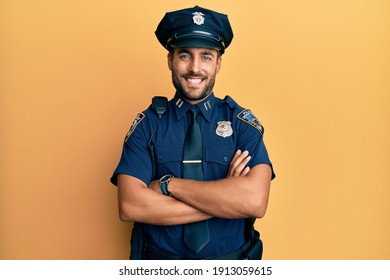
{"points": [[164, 182]]}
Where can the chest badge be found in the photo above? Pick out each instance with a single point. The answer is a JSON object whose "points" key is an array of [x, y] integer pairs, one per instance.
{"points": [[224, 129]]}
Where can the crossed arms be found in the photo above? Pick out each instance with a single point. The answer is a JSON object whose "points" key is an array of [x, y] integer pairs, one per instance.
{"points": [[243, 193]]}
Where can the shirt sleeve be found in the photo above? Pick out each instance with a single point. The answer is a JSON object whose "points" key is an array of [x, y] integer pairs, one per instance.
{"points": [[135, 159], [251, 139]]}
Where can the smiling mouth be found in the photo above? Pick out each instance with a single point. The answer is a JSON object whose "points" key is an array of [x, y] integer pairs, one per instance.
{"points": [[194, 80]]}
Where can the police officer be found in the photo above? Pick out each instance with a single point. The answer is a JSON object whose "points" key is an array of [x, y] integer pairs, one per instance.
{"points": [[153, 190]]}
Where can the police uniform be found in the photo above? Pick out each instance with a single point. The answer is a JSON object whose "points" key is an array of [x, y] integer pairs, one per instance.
{"points": [[226, 127]]}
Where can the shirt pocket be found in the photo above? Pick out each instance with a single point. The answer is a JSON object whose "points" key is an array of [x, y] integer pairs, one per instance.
{"points": [[168, 160], [217, 160]]}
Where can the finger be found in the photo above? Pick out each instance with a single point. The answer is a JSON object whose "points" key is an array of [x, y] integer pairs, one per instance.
{"points": [[236, 161], [235, 157], [236, 154], [233, 162], [239, 158], [241, 166], [245, 171]]}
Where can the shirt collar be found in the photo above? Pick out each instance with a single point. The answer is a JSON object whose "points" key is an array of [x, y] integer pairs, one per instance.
{"points": [[206, 106]]}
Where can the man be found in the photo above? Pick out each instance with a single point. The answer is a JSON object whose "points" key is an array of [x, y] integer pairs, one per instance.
{"points": [[208, 153]]}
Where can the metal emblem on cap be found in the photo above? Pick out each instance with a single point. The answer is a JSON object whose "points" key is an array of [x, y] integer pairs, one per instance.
{"points": [[198, 18], [224, 129]]}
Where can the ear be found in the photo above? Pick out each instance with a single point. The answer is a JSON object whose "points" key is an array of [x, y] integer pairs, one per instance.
{"points": [[170, 61], [219, 64]]}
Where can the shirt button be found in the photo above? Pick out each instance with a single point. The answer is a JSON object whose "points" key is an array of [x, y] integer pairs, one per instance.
{"points": [[225, 159]]}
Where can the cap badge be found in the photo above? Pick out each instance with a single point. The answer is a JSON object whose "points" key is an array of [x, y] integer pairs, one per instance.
{"points": [[198, 18], [224, 129]]}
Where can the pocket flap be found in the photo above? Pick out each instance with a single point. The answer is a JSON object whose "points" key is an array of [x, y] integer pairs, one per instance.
{"points": [[219, 154], [168, 154]]}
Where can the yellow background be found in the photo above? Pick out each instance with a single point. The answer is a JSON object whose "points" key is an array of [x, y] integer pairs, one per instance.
{"points": [[74, 74]]}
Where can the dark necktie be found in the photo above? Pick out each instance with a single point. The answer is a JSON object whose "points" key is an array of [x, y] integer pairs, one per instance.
{"points": [[196, 235]]}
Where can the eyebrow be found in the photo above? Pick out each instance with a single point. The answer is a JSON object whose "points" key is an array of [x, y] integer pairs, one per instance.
{"points": [[188, 52], [207, 53]]}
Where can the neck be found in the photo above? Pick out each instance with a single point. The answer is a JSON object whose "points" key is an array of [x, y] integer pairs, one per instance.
{"points": [[192, 101]]}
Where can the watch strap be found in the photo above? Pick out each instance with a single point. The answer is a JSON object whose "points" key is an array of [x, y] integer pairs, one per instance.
{"points": [[164, 182], [164, 188]]}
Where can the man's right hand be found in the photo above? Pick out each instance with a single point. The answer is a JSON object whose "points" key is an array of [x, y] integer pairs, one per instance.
{"points": [[238, 164]]}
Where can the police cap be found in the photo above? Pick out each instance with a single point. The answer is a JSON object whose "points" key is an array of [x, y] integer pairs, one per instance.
{"points": [[195, 27]]}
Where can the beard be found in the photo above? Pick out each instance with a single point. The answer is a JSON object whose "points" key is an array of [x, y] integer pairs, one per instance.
{"points": [[191, 94]]}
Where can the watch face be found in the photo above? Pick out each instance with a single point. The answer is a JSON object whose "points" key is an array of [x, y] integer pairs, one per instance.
{"points": [[165, 178]]}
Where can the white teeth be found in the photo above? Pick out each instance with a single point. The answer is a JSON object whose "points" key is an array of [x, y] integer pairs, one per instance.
{"points": [[195, 81]]}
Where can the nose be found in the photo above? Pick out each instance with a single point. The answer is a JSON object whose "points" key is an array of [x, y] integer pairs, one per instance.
{"points": [[195, 65]]}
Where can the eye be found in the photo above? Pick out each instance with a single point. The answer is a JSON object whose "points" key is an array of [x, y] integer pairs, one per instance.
{"points": [[184, 57], [207, 58]]}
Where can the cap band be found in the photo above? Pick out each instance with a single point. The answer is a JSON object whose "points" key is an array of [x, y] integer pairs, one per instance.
{"points": [[197, 34]]}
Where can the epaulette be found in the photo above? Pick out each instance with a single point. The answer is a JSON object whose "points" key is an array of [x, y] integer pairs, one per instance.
{"points": [[245, 115], [232, 104]]}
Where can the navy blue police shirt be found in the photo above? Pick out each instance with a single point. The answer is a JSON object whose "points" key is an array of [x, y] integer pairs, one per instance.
{"points": [[226, 127]]}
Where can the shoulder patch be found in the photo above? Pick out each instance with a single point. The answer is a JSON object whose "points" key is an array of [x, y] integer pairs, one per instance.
{"points": [[247, 116], [136, 121]]}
